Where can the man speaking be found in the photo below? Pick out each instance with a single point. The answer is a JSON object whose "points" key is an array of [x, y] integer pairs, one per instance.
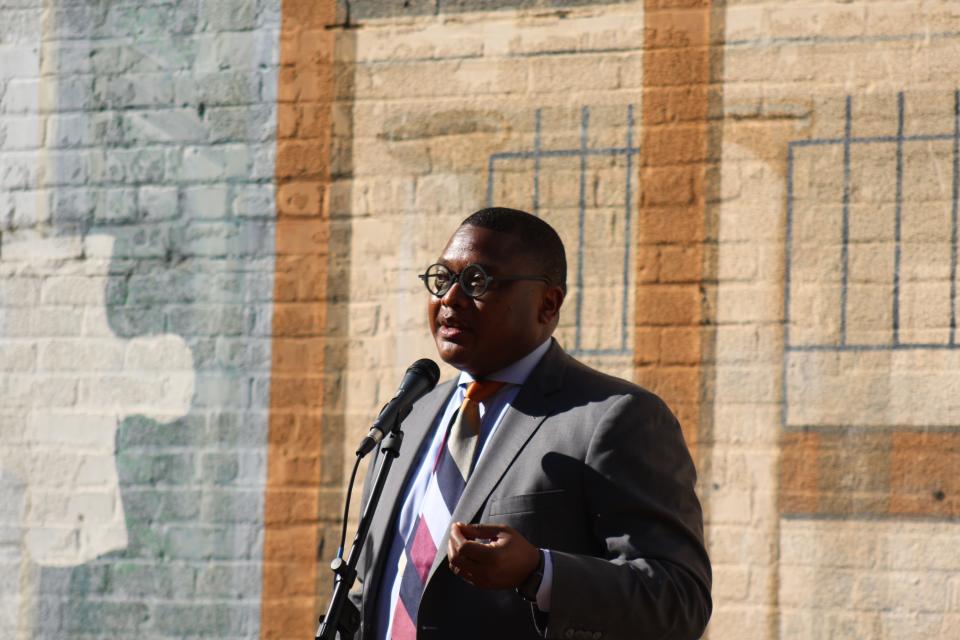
{"points": [[534, 496]]}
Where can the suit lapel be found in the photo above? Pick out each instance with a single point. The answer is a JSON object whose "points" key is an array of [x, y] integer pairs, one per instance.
{"points": [[416, 428], [520, 421]]}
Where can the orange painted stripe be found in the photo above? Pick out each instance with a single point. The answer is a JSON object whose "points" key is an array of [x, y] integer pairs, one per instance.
{"points": [[871, 473], [799, 473], [299, 473], [924, 477], [674, 161]]}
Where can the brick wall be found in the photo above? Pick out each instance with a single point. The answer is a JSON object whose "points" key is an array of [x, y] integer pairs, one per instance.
{"points": [[835, 348], [137, 216], [211, 219]]}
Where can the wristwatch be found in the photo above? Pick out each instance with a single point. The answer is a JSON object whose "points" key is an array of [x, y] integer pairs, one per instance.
{"points": [[529, 587]]}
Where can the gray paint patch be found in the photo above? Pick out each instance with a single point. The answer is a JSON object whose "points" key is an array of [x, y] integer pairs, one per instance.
{"points": [[157, 161]]}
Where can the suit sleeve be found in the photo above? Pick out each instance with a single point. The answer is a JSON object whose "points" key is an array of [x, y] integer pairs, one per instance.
{"points": [[653, 577]]}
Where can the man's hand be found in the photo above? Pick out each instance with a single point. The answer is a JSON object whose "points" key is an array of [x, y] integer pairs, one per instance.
{"points": [[490, 556]]}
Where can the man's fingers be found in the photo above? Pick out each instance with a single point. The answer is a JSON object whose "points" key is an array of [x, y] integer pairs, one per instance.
{"points": [[460, 545], [463, 563], [465, 567], [483, 531], [478, 552], [456, 534]]}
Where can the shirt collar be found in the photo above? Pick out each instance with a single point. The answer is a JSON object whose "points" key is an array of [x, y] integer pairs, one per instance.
{"points": [[516, 373]]}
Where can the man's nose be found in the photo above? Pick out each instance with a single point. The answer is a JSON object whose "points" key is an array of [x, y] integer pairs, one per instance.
{"points": [[454, 295]]}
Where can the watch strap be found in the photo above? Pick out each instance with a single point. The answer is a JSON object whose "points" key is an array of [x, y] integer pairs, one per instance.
{"points": [[528, 588]]}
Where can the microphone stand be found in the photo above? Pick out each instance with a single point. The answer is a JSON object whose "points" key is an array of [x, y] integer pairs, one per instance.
{"points": [[342, 615]]}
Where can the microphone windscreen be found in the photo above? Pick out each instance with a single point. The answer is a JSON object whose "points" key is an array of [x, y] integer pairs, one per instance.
{"points": [[427, 368]]}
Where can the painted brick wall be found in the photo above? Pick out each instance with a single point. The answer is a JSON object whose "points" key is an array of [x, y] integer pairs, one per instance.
{"points": [[833, 477], [137, 215], [212, 214]]}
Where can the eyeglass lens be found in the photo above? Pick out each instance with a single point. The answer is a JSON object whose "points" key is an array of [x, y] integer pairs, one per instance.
{"points": [[473, 280]]}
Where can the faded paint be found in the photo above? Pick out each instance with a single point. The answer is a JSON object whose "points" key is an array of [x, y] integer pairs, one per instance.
{"points": [[720, 172]]}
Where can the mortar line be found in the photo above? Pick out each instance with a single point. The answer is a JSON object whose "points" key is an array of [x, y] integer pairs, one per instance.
{"points": [[900, 346]]}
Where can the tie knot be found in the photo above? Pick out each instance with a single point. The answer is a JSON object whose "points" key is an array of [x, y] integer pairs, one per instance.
{"points": [[480, 390]]}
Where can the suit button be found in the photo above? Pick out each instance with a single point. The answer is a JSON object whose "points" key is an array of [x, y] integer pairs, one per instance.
{"points": [[569, 633], [597, 635]]}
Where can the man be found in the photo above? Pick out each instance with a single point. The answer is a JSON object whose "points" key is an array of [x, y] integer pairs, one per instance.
{"points": [[534, 497]]}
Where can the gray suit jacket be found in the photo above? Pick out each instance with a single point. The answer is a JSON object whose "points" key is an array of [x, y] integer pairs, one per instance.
{"points": [[591, 467]]}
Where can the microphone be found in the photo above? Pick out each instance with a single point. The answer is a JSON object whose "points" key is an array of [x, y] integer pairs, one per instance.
{"points": [[421, 377]]}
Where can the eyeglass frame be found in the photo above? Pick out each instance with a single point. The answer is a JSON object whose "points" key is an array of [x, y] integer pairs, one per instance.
{"points": [[487, 279]]}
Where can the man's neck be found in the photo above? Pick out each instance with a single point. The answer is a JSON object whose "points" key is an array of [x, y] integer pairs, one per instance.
{"points": [[517, 371]]}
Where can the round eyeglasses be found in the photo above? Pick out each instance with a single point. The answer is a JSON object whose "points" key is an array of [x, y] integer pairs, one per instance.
{"points": [[473, 280]]}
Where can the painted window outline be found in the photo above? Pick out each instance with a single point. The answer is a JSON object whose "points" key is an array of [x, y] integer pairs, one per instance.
{"points": [[583, 153], [847, 141]]}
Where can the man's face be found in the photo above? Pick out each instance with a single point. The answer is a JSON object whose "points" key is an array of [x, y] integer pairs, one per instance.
{"points": [[482, 335]]}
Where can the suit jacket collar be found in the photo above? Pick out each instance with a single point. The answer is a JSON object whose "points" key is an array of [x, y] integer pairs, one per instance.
{"points": [[520, 421]]}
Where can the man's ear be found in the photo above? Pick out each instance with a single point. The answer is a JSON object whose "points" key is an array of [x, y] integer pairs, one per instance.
{"points": [[550, 304]]}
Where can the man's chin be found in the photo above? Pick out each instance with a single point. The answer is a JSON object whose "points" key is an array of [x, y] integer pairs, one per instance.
{"points": [[454, 353]]}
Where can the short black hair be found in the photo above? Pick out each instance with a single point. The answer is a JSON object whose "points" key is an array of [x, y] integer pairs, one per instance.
{"points": [[538, 239]]}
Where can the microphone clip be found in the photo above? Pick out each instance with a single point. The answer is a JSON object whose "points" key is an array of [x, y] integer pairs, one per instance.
{"points": [[375, 435]]}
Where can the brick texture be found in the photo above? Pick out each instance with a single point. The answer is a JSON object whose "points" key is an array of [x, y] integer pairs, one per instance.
{"points": [[212, 215], [834, 348], [136, 261], [306, 437]]}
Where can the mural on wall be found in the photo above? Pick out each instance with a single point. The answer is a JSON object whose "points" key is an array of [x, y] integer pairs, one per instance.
{"points": [[587, 192], [835, 495], [584, 267], [139, 188], [135, 314], [67, 383], [871, 278]]}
